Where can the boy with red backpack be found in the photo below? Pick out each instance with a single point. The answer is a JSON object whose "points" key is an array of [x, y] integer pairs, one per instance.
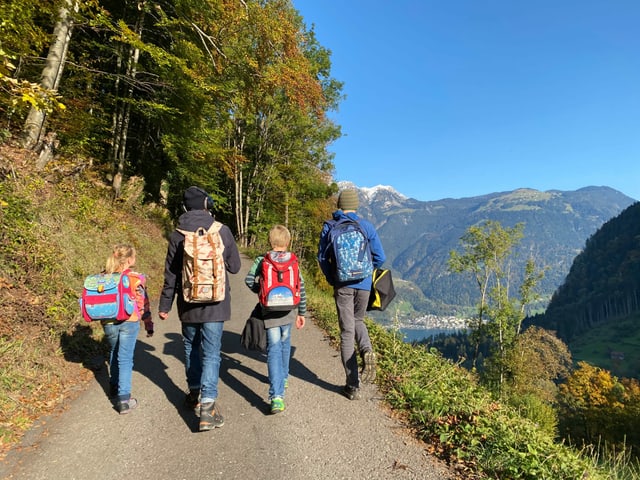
{"points": [[282, 300]]}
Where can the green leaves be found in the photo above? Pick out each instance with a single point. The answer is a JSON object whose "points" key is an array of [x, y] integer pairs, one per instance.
{"points": [[231, 96]]}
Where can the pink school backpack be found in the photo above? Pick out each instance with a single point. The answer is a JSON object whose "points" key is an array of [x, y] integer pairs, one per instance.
{"points": [[108, 296]]}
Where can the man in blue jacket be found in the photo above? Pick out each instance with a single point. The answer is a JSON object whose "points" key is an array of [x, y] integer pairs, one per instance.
{"points": [[351, 297]]}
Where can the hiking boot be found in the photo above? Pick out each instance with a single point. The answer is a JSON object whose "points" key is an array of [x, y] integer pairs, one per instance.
{"points": [[125, 406], [192, 401], [209, 417], [277, 405], [369, 368], [352, 393]]}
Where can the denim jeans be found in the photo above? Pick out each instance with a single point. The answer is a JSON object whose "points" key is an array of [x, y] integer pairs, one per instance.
{"points": [[352, 306], [202, 342], [122, 337], [278, 354]]}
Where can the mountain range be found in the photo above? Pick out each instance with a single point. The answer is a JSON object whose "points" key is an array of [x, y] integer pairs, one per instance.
{"points": [[418, 237]]}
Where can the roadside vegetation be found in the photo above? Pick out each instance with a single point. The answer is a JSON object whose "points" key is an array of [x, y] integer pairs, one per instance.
{"points": [[461, 421]]}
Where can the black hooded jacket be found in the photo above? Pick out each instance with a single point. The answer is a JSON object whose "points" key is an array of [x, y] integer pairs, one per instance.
{"points": [[196, 312]]}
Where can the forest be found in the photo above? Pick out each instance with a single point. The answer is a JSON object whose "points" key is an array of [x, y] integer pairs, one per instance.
{"points": [[232, 96], [603, 284]]}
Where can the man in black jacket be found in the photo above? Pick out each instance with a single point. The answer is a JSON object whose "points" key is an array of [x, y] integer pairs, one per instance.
{"points": [[202, 323]]}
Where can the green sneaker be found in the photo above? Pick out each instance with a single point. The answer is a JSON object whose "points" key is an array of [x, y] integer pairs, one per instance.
{"points": [[277, 405]]}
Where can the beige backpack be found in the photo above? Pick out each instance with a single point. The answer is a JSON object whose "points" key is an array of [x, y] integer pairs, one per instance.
{"points": [[203, 269]]}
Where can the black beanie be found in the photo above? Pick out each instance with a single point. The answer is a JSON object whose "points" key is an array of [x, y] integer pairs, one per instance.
{"points": [[195, 198]]}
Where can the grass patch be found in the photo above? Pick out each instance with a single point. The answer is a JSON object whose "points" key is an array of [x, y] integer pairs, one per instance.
{"points": [[596, 346]]}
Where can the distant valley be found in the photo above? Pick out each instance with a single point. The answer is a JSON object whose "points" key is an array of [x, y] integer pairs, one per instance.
{"points": [[419, 235]]}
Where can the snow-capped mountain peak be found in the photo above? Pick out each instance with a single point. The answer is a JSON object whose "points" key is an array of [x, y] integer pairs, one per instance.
{"points": [[370, 193]]}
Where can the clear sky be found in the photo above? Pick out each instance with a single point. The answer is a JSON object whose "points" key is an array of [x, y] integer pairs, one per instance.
{"points": [[458, 98]]}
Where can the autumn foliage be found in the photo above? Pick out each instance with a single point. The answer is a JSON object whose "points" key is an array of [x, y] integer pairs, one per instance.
{"points": [[595, 406]]}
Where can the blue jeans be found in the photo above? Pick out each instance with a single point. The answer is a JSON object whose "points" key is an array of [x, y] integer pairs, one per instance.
{"points": [[202, 342], [278, 354], [352, 306], [122, 337]]}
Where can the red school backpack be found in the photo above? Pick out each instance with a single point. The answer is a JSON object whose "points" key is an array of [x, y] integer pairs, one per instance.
{"points": [[108, 296], [279, 281]]}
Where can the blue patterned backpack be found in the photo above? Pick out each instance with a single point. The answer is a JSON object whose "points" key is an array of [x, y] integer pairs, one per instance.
{"points": [[350, 252]]}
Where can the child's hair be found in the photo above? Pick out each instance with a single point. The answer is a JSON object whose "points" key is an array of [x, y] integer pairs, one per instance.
{"points": [[279, 236], [116, 261]]}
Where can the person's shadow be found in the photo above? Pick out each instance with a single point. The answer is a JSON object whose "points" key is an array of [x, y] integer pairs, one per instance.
{"points": [[151, 366], [231, 344], [229, 365], [300, 370], [79, 346]]}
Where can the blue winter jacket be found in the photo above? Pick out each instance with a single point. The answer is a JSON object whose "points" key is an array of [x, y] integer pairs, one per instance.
{"points": [[377, 252]]}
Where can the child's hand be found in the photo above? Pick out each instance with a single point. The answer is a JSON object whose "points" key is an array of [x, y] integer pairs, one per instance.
{"points": [[300, 321], [163, 315]]}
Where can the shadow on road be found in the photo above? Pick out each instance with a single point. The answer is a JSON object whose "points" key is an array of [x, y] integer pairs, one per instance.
{"points": [[79, 346], [231, 345], [230, 365], [147, 363], [300, 370]]}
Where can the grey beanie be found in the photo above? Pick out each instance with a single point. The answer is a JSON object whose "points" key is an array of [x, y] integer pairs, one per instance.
{"points": [[348, 200]]}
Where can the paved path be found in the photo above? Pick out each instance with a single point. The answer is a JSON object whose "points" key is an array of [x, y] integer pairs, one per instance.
{"points": [[321, 435]]}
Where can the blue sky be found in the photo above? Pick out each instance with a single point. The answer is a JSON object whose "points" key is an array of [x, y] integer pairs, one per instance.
{"points": [[458, 98]]}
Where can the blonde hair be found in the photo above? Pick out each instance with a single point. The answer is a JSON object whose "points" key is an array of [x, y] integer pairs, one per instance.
{"points": [[279, 236], [116, 261]]}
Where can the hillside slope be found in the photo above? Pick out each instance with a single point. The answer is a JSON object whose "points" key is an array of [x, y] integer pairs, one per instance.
{"points": [[597, 307], [56, 227]]}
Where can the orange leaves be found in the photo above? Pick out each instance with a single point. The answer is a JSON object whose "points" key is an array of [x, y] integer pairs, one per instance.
{"points": [[590, 387], [277, 57]]}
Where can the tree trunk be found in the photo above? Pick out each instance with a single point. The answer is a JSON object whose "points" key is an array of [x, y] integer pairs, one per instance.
{"points": [[123, 115], [51, 74]]}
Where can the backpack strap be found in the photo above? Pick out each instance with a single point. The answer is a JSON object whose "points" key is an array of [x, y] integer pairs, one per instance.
{"points": [[215, 228]]}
